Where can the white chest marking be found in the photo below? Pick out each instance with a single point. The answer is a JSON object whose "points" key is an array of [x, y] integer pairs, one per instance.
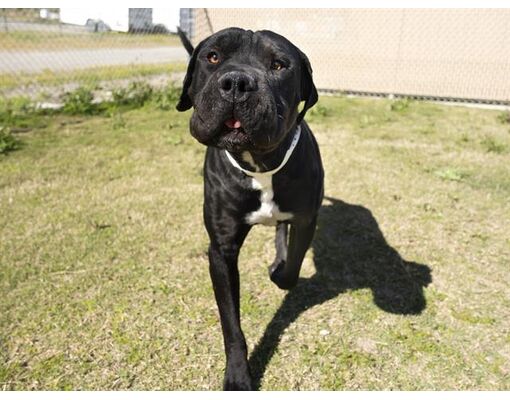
{"points": [[269, 212]]}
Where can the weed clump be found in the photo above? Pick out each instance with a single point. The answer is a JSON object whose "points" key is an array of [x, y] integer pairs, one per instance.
{"points": [[504, 117], [12, 111], [493, 146], [400, 105], [7, 141], [319, 111], [135, 95], [167, 98], [451, 174], [79, 101]]}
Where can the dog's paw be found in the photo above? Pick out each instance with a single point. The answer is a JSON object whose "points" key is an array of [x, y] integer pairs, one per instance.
{"points": [[277, 264], [237, 378], [236, 385], [277, 276]]}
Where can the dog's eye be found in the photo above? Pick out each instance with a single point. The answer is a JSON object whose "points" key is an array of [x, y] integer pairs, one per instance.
{"points": [[213, 57], [276, 65]]}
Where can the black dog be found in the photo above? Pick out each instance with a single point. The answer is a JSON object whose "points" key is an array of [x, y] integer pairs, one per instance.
{"points": [[262, 164]]}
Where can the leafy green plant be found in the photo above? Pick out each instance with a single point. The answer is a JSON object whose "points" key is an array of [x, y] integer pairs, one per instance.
{"points": [[7, 141], [136, 94], [15, 108], [21, 114], [167, 98], [79, 101]]}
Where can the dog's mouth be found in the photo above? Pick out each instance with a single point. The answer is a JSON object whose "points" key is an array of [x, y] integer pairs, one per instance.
{"points": [[233, 136], [234, 129], [233, 123]]}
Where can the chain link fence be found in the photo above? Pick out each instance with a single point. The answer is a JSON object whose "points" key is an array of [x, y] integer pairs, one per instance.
{"points": [[454, 54], [445, 54], [46, 52]]}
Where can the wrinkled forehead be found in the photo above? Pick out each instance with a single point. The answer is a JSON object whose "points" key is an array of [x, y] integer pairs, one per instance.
{"points": [[235, 40]]}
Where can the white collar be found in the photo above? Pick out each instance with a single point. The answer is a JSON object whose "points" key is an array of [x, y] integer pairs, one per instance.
{"points": [[291, 148]]}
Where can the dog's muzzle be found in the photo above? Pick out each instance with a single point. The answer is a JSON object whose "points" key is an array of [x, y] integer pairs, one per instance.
{"points": [[236, 86]]}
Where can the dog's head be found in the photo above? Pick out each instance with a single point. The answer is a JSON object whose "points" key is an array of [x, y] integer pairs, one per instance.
{"points": [[245, 88]]}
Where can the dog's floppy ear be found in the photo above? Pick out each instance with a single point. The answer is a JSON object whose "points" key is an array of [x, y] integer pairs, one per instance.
{"points": [[308, 91], [185, 100]]}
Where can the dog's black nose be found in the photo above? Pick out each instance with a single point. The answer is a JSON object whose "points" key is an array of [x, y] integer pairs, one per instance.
{"points": [[236, 85]]}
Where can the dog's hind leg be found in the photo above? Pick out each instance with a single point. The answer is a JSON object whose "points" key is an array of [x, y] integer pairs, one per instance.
{"points": [[281, 247], [285, 273]]}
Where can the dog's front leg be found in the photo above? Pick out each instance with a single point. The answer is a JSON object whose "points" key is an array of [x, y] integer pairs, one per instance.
{"points": [[225, 278]]}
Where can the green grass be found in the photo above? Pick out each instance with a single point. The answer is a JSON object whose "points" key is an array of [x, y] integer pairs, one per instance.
{"points": [[88, 76], [36, 41], [103, 268]]}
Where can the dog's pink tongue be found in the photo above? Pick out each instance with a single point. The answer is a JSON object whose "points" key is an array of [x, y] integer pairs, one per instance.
{"points": [[233, 123]]}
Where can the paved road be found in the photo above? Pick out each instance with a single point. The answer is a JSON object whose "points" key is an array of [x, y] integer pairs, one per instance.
{"points": [[65, 60], [8, 26]]}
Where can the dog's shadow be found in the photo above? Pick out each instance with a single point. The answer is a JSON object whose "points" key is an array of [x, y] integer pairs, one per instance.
{"points": [[350, 253]]}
